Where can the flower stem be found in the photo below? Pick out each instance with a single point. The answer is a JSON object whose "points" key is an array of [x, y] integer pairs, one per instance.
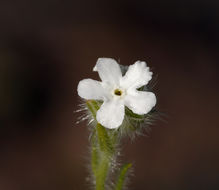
{"points": [[102, 172], [94, 155], [103, 152]]}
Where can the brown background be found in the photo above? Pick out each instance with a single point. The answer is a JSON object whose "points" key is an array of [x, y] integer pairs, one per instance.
{"points": [[48, 46]]}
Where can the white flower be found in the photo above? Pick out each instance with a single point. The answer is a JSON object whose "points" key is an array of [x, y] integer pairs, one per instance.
{"points": [[117, 91]]}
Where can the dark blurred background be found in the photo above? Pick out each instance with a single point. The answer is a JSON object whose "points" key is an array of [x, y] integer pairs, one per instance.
{"points": [[47, 46]]}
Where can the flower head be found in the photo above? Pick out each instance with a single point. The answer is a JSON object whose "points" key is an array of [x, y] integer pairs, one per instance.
{"points": [[117, 91]]}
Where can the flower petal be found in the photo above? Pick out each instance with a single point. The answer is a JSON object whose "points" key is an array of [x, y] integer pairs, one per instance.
{"points": [[137, 76], [111, 114], [109, 70], [140, 102], [91, 89]]}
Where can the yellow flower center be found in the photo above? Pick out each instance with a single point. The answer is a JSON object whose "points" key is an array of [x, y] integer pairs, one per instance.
{"points": [[118, 92]]}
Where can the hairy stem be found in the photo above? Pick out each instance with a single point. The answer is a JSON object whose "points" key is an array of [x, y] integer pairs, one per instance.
{"points": [[103, 146], [105, 154], [122, 175], [102, 172], [94, 155]]}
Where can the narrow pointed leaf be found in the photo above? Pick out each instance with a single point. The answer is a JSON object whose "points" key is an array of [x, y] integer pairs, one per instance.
{"points": [[122, 176]]}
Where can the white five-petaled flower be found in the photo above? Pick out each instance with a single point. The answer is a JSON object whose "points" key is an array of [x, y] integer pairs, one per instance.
{"points": [[117, 91]]}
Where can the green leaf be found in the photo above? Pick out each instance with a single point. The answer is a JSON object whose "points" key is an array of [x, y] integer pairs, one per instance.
{"points": [[122, 176], [93, 106]]}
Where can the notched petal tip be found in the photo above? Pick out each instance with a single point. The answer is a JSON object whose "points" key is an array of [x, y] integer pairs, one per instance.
{"points": [[142, 63], [108, 70], [143, 66], [103, 60], [137, 75], [95, 68]]}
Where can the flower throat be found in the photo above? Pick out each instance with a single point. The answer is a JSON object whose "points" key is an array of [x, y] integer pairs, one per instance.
{"points": [[118, 92]]}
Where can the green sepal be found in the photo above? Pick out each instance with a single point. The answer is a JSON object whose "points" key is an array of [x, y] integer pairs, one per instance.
{"points": [[132, 115], [104, 140], [93, 107]]}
